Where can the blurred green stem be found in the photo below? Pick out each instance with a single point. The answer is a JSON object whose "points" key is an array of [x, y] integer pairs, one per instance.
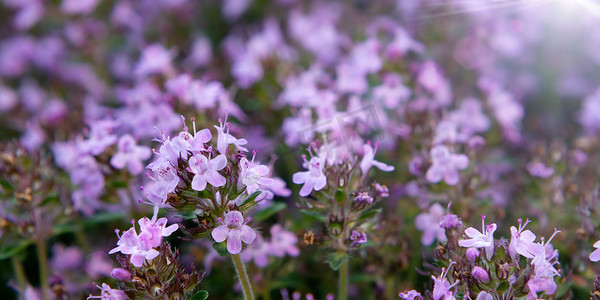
{"points": [[343, 281], [243, 275], [43, 262], [19, 272]]}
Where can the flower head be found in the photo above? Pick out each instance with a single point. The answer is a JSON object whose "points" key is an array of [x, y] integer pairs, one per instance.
{"points": [[130, 154], [445, 165], [314, 178], [207, 171], [483, 239], [235, 231]]}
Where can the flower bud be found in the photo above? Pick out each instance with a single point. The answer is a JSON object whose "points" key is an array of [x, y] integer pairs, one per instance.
{"points": [[336, 225], [362, 200], [481, 274], [120, 274], [472, 254], [381, 190]]}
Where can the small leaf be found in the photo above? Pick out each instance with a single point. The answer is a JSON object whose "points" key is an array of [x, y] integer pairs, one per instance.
{"points": [[221, 248], [6, 185], [201, 295], [336, 260], [12, 250], [315, 214], [251, 197], [269, 211], [49, 199], [369, 214]]}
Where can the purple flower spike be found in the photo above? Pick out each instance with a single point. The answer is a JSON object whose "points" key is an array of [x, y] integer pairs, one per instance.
{"points": [[235, 231], [130, 154], [445, 165]]}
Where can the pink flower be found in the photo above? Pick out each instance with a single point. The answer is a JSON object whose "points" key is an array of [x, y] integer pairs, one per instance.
{"points": [[224, 139], [78, 6], [480, 240], [430, 224], [441, 287], [538, 169], [154, 59], [234, 230], [595, 256], [252, 175], [206, 171], [314, 178], [131, 155], [358, 238], [445, 165], [368, 160], [520, 241], [410, 295], [108, 293], [152, 231], [131, 244], [282, 242]]}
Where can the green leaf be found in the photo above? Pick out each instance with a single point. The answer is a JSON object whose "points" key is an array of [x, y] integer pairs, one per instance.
{"points": [[269, 211], [336, 260], [221, 248], [12, 250], [71, 226], [315, 214], [369, 214], [250, 200], [6, 185], [201, 295], [49, 199]]}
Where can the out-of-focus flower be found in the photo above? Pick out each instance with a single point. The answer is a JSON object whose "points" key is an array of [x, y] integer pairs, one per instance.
{"points": [[131, 155], [445, 165], [538, 169], [78, 6], [429, 223], [368, 161]]}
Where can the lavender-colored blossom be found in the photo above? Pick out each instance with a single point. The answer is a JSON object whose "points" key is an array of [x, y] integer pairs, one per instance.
{"points": [[131, 244], [483, 295], [538, 169], [429, 223], [78, 6], [8, 98], [258, 252], [595, 255], [314, 178], [155, 59], [521, 241], [283, 242], [252, 175], [481, 240], [207, 171], [224, 139], [368, 161], [130, 155], [108, 293], [481, 274], [101, 136], [98, 264], [445, 165], [410, 295], [441, 287], [358, 238], [235, 231]]}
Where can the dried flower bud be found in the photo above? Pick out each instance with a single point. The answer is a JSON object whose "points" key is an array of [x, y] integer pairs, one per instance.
{"points": [[336, 225]]}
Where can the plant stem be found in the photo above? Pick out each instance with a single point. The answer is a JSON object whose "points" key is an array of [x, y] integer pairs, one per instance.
{"points": [[243, 275], [19, 272], [343, 281], [43, 262]]}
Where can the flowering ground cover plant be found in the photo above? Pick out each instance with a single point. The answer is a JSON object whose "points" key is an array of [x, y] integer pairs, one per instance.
{"points": [[289, 149]]}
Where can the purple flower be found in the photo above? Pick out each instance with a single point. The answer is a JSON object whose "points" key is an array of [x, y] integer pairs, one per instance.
{"points": [[108, 293], [258, 252], [429, 223], [357, 238], [78, 6], [481, 274], [100, 137], [595, 256], [282, 242], [152, 231], [441, 287], [520, 241], [368, 161], [234, 230], [154, 59], [252, 175], [314, 178], [538, 169], [207, 170], [410, 295], [131, 155], [131, 244], [445, 165], [481, 240], [224, 139]]}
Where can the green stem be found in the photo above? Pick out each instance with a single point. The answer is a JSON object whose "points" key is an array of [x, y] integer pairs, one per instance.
{"points": [[343, 281], [43, 262], [19, 272], [243, 275]]}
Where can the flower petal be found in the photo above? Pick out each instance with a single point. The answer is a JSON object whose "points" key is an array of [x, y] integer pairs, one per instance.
{"points": [[219, 234]]}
